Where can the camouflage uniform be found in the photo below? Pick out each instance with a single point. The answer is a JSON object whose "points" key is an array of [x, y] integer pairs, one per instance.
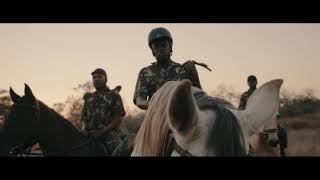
{"points": [[151, 78], [125, 148], [244, 99], [100, 109]]}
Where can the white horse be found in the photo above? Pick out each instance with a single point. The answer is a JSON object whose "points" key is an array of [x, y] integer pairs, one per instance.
{"points": [[201, 125]]}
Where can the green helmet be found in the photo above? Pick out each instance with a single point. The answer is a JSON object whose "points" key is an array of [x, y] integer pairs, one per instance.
{"points": [[159, 33]]}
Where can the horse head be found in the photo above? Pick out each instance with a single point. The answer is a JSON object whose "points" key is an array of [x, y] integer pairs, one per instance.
{"points": [[21, 118]]}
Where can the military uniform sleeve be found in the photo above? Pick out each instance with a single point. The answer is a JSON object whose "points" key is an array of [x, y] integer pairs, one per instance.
{"points": [[190, 72], [242, 104], [84, 115], [117, 108], [141, 89]]}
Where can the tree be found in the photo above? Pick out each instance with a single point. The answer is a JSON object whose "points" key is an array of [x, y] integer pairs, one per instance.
{"points": [[75, 104], [296, 104], [85, 87], [5, 101], [72, 106], [309, 93], [227, 93]]}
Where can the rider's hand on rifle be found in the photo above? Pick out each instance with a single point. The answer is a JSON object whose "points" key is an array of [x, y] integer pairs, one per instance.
{"points": [[189, 66]]}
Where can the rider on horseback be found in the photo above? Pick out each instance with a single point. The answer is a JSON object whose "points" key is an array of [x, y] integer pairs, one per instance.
{"points": [[102, 112], [252, 83], [152, 77], [281, 132]]}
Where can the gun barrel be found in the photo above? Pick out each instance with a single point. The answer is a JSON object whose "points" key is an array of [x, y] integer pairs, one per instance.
{"points": [[202, 64]]}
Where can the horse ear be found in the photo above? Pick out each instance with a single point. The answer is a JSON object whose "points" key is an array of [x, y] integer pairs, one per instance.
{"points": [[28, 92], [182, 110], [261, 107], [14, 96]]}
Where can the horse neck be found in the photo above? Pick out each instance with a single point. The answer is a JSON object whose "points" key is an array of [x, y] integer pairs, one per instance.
{"points": [[55, 133]]}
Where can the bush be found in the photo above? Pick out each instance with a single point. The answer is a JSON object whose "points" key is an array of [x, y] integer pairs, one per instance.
{"points": [[299, 106], [5, 102], [132, 122]]}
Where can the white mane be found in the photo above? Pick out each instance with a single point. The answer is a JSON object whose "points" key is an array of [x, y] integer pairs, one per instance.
{"points": [[151, 138]]}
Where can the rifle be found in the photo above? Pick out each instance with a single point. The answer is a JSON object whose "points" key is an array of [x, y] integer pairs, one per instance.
{"points": [[202, 64], [192, 73], [197, 63]]}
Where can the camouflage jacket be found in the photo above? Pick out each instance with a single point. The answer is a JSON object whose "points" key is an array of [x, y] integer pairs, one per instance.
{"points": [[151, 78], [244, 99], [101, 108]]}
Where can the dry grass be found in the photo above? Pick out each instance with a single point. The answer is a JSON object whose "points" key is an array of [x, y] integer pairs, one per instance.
{"points": [[305, 142], [303, 135]]}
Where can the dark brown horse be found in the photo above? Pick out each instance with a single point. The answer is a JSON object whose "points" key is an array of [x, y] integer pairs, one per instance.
{"points": [[30, 121]]}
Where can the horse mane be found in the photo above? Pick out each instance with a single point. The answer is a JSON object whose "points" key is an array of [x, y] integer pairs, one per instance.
{"points": [[151, 137], [226, 135]]}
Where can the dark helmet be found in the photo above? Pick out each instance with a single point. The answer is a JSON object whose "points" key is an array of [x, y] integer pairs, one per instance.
{"points": [[100, 71], [159, 33], [252, 78]]}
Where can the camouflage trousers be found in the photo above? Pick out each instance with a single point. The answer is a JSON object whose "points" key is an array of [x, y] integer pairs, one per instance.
{"points": [[114, 146], [110, 141], [125, 148]]}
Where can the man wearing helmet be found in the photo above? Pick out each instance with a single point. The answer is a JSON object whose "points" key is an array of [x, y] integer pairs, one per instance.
{"points": [[102, 112], [152, 77], [252, 83]]}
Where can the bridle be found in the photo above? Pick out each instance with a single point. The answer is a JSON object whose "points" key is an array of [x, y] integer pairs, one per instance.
{"points": [[173, 146], [19, 149], [264, 135]]}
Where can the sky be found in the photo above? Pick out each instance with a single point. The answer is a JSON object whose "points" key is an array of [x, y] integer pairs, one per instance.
{"points": [[54, 58]]}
